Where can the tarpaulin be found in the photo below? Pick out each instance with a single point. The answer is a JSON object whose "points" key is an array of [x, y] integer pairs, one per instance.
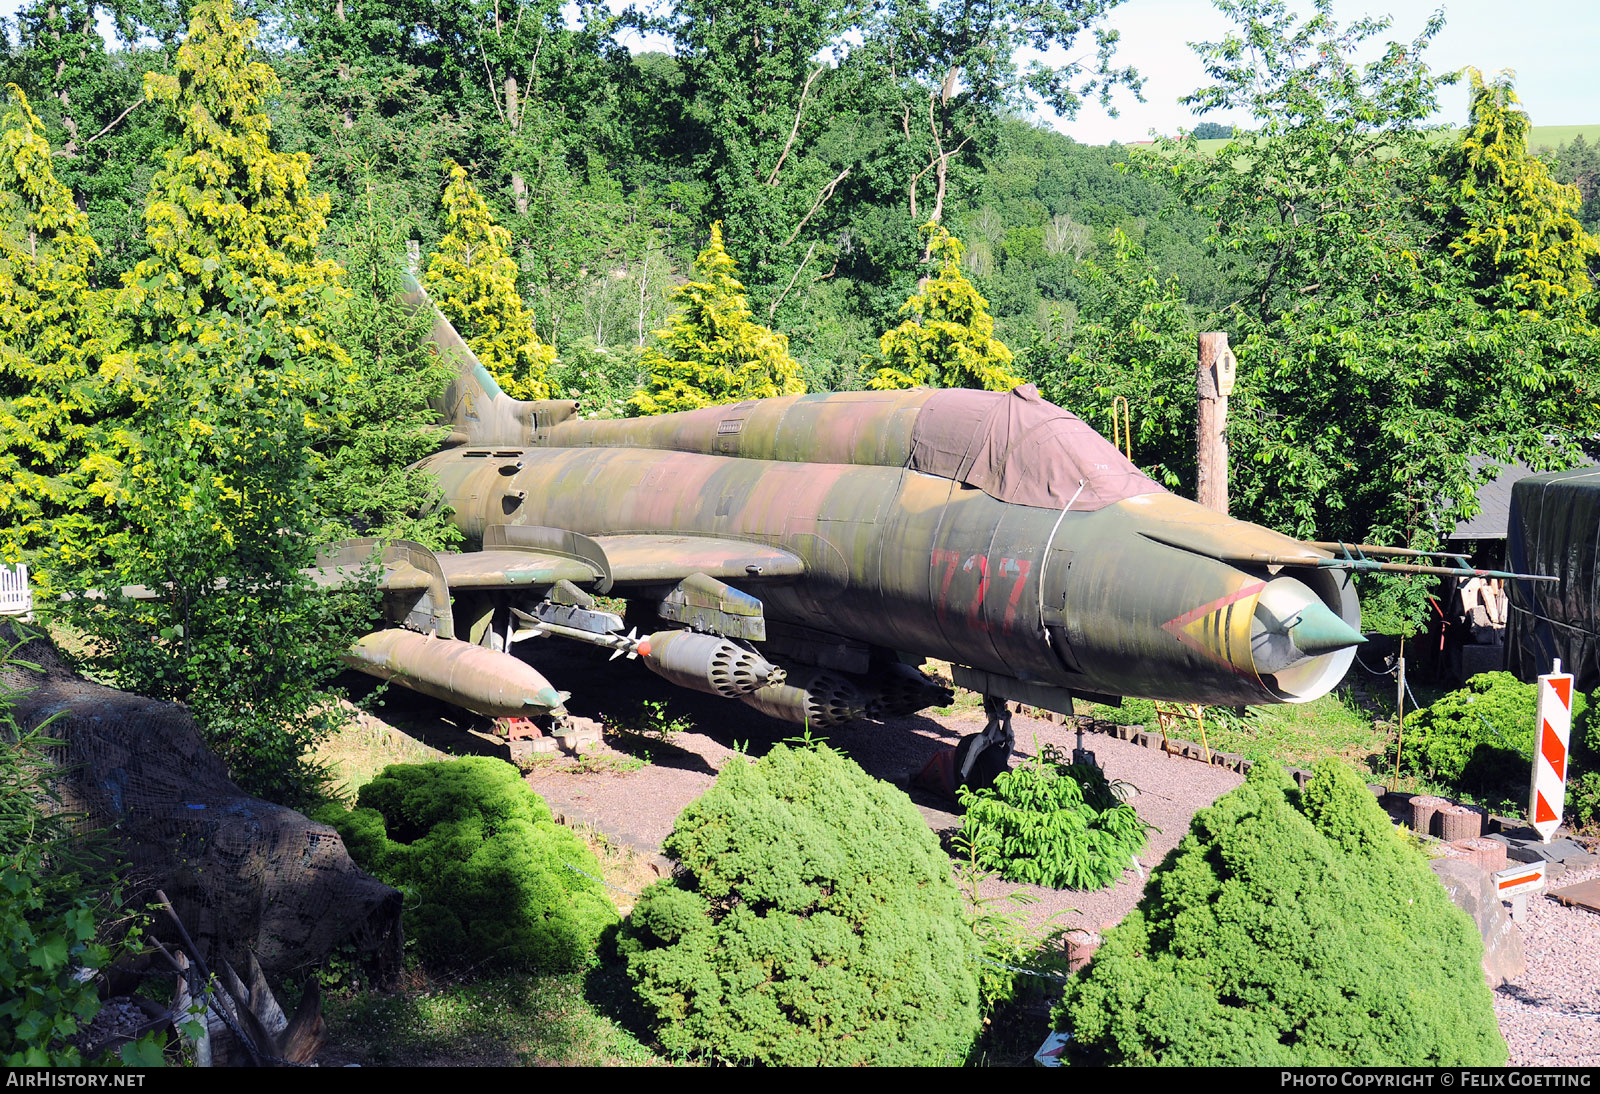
{"points": [[1555, 530], [1018, 448]]}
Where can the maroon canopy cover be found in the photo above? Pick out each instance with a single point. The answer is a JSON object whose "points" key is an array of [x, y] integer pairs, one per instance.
{"points": [[1018, 448]]}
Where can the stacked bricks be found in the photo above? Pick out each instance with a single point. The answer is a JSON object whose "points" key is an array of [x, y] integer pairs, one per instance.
{"points": [[1489, 854], [1081, 944], [1423, 807], [1457, 822]]}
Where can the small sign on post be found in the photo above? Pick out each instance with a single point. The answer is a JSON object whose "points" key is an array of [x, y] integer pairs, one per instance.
{"points": [[1547, 795], [1516, 883]]}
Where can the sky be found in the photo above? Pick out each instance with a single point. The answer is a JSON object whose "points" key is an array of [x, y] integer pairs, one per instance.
{"points": [[1548, 43]]}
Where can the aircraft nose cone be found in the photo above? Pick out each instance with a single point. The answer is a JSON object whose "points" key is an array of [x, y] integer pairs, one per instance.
{"points": [[1300, 644], [547, 698], [1292, 626], [1318, 630]]}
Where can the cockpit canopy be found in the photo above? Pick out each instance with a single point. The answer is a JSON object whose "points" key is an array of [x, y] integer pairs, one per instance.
{"points": [[1012, 445]]}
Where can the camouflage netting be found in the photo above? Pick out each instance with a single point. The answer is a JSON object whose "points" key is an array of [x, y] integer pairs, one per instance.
{"points": [[244, 875]]}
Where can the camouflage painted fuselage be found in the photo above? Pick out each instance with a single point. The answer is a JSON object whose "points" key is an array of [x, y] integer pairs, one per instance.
{"points": [[1136, 596]]}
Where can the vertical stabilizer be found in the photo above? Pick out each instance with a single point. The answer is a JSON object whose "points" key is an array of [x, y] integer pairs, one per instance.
{"points": [[478, 412]]}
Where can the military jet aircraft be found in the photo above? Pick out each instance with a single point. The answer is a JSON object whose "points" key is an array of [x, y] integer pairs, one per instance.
{"points": [[804, 554]]}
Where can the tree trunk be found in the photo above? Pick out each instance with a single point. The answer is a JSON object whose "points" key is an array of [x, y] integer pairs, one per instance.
{"points": [[346, 116], [519, 184], [644, 279]]}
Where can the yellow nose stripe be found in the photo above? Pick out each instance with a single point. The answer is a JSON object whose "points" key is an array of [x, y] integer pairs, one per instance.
{"points": [[1218, 631]]}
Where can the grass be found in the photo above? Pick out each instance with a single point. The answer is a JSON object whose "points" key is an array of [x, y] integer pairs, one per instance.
{"points": [[620, 761], [494, 1021], [364, 747], [625, 872], [1339, 724], [1300, 734]]}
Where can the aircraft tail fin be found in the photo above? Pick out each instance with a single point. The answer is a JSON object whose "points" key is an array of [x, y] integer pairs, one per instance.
{"points": [[475, 407]]}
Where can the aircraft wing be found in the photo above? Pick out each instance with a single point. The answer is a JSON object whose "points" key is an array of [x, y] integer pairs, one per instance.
{"points": [[525, 557], [419, 584], [512, 570], [631, 560], [657, 558]]}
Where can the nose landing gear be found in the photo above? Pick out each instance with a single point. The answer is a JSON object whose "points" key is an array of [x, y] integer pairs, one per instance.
{"points": [[981, 757]]}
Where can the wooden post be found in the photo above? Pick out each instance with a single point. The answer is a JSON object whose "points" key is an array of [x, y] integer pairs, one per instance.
{"points": [[1213, 385]]}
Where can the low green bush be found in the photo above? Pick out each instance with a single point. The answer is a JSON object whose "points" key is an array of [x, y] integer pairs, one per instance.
{"points": [[815, 921], [1479, 740], [1052, 823], [1480, 737], [489, 876], [1132, 712], [1289, 928]]}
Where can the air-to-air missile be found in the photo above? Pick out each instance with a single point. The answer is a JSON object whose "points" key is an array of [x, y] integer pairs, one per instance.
{"points": [[803, 554]]}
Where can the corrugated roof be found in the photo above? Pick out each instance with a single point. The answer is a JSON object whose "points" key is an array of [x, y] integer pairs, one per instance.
{"points": [[1494, 502]]}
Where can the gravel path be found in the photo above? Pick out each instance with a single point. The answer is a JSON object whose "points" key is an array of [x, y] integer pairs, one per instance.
{"points": [[637, 808], [1550, 1015]]}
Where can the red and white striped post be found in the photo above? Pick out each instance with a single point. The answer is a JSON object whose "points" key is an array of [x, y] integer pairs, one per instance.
{"points": [[1549, 790]]}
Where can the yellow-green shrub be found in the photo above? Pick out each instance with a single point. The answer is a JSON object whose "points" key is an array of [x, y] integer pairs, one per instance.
{"points": [[711, 351]]}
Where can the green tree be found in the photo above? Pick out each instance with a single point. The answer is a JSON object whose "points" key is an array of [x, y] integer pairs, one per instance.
{"points": [[363, 479], [1133, 338], [61, 450], [711, 351], [473, 279], [945, 73], [758, 108], [1577, 163], [1513, 225], [827, 131], [948, 341], [90, 100], [236, 372], [1369, 370]]}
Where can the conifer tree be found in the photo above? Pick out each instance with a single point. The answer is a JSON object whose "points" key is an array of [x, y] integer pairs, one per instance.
{"points": [[363, 479], [473, 279], [947, 339], [1291, 928], [60, 451], [711, 352], [1516, 228], [235, 372]]}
